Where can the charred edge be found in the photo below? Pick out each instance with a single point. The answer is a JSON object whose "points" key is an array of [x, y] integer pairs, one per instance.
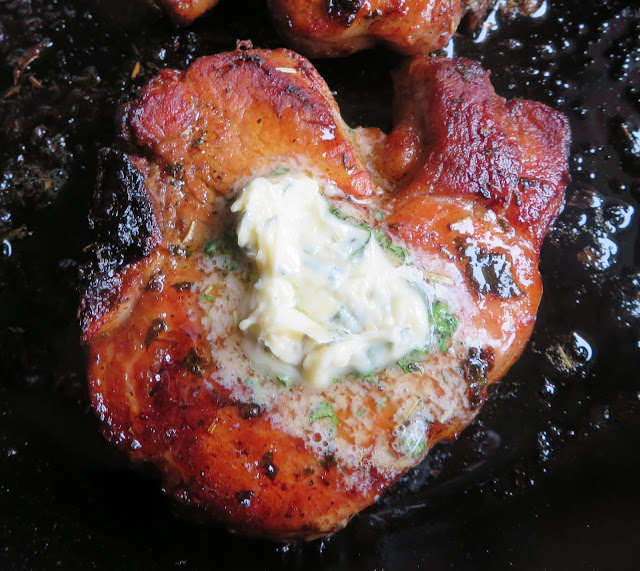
{"points": [[125, 231], [475, 368], [101, 289], [489, 272], [343, 11], [266, 462], [122, 217]]}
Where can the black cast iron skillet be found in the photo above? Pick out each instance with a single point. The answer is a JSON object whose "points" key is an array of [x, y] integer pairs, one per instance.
{"points": [[546, 478]]}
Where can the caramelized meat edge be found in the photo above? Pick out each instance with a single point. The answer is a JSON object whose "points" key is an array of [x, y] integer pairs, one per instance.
{"points": [[458, 153]]}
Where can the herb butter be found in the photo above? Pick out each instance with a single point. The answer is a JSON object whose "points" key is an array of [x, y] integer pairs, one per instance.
{"points": [[329, 299]]}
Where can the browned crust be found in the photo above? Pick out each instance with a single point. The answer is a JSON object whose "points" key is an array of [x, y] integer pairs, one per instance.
{"points": [[200, 133]]}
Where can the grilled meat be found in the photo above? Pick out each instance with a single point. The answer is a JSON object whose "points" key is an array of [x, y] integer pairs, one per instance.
{"points": [[466, 182], [329, 28], [185, 11], [322, 28]]}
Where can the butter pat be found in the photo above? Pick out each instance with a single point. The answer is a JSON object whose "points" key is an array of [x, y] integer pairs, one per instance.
{"points": [[329, 300]]}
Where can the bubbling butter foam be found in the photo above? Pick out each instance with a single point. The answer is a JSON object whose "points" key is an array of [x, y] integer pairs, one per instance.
{"points": [[329, 300]]}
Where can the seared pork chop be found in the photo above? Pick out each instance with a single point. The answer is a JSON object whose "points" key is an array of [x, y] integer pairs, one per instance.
{"points": [[241, 211], [328, 28], [185, 11]]}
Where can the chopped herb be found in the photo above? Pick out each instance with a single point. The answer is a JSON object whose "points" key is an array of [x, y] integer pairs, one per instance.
{"points": [[337, 213], [378, 214], [285, 380], [418, 448], [248, 410], [381, 404], [211, 247], [410, 362], [197, 142], [180, 250], [157, 326], [182, 286], [324, 410], [194, 363], [444, 324], [362, 412], [268, 466], [382, 239], [371, 377], [173, 169], [224, 247], [360, 251], [280, 171], [335, 380], [250, 381], [230, 265], [156, 282], [208, 297]]}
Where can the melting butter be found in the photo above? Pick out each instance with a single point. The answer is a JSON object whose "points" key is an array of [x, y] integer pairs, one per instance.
{"points": [[329, 299]]}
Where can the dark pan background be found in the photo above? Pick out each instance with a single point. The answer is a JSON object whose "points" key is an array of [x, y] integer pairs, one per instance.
{"points": [[546, 478]]}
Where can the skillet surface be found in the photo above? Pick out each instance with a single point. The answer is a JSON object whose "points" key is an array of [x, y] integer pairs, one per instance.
{"points": [[546, 478]]}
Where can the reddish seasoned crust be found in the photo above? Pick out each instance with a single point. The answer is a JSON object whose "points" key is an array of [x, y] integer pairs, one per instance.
{"points": [[231, 116], [185, 11], [327, 28], [462, 139], [152, 405], [271, 107]]}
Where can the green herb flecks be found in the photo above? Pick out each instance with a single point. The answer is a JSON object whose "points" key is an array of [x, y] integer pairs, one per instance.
{"points": [[415, 448], [360, 251], [285, 380], [410, 363], [444, 324], [222, 247], [180, 250], [280, 171], [211, 247], [384, 242], [230, 265], [337, 213], [324, 410]]}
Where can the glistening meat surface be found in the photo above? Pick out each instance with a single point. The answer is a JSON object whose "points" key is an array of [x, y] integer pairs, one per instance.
{"points": [[467, 183], [185, 11], [329, 28]]}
